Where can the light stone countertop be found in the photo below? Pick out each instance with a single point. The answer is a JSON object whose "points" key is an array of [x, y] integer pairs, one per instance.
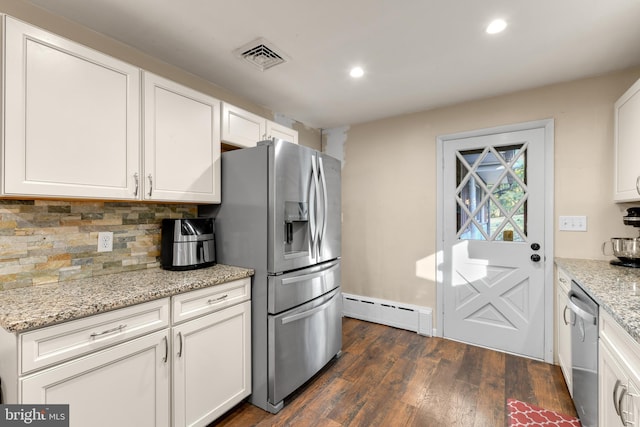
{"points": [[616, 289], [33, 307]]}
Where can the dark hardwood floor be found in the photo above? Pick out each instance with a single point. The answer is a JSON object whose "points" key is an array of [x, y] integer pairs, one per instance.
{"points": [[392, 377]]}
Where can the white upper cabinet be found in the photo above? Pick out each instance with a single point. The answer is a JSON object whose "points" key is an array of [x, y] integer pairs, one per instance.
{"points": [[73, 126], [181, 143], [276, 130], [71, 118], [627, 146], [244, 129], [241, 128]]}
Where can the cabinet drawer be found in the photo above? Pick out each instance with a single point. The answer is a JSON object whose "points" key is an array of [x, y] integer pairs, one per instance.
{"points": [[196, 303], [58, 343]]}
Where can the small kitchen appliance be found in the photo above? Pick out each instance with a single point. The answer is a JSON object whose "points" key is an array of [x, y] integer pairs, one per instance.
{"points": [[626, 249], [187, 244]]}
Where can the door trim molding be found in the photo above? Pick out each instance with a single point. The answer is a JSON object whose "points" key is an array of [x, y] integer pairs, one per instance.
{"points": [[548, 126]]}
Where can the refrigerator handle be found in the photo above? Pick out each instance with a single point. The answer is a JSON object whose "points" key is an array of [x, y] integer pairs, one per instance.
{"points": [[313, 202], [325, 207]]}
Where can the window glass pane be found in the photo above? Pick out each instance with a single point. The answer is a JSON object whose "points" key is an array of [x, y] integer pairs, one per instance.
{"points": [[500, 215]]}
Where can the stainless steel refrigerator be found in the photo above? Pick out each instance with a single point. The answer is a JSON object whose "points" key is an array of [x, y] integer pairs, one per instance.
{"points": [[281, 215]]}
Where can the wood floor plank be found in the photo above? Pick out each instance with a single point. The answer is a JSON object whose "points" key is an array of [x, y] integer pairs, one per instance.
{"points": [[491, 390], [518, 384], [391, 377], [471, 365]]}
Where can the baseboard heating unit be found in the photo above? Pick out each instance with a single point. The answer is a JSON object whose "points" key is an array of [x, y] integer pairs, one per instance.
{"points": [[399, 315]]}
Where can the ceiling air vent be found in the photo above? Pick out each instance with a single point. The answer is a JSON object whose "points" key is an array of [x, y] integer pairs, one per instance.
{"points": [[262, 54]]}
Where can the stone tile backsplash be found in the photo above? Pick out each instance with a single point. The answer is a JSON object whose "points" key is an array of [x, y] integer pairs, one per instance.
{"points": [[44, 241]]}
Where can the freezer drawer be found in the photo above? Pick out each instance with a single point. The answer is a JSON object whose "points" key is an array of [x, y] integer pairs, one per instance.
{"points": [[292, 289], [304, 340]]}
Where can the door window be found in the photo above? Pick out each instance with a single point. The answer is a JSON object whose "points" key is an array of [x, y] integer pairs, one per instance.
{"points": [[491, 193]]}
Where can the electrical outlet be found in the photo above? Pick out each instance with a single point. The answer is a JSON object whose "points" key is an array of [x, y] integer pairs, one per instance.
{"points": [[105, 241]]}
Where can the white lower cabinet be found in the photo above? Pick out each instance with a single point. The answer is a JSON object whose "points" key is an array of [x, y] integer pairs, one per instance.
{"points": [[619, 404], [618, 376], [125, 385], [212, 365], [140, 365], [563, 327]]}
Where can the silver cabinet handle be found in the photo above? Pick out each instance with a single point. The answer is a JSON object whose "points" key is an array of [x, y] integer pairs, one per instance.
{"points": [[180, 348], [564, 314], [108, 331], [166, 349], [616, 405], [135, 177], [150, 184], [214, 300], [624, 391], [638, 184]]}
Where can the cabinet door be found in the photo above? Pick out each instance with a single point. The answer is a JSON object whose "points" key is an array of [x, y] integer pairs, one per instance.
{"points": [[71, 118], [276, 130], [126, 385], [242, 128], [632, 415], [627, 148], [181, 143], [563, 328], [613, 381], [212, 365]]}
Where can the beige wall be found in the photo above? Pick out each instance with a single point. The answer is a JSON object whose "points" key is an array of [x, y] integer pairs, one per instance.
{"points": [[90, 38], [389, 182]]}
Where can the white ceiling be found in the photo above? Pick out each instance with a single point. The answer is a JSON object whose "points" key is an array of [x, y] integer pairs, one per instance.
{"points": [[417, 54]]}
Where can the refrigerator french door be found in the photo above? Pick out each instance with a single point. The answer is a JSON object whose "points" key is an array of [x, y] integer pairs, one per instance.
{"points": [[280, 215], [304, 207]]}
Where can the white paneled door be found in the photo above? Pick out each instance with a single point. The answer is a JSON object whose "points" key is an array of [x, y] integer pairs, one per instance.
{"points": [[494, 241]]}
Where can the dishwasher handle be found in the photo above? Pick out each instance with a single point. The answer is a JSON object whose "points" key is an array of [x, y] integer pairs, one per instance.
{"points": [[580, 312]]}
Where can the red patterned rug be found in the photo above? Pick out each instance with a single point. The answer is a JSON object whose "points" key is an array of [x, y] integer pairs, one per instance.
{"points": [[523, 414]]}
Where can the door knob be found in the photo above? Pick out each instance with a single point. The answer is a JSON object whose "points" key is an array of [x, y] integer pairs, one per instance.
{"points": [[535, 258], [535, 246]]}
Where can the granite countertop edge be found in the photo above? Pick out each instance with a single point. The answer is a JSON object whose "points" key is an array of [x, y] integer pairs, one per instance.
{"points": [[615, 288], [24, 309]]}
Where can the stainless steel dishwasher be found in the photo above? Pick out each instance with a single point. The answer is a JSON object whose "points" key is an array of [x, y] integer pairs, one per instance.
{"points": [[584, 354]]}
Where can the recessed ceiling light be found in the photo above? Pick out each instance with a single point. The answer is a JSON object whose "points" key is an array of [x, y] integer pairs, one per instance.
{"points": [[496, 26], [356, 72]]}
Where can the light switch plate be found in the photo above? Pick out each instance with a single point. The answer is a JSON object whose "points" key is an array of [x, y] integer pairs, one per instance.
{"points": [[573, 223]]}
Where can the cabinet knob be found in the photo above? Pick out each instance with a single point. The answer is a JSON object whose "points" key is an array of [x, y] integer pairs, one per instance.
{"points": [[535, 258], [535, 246]]}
